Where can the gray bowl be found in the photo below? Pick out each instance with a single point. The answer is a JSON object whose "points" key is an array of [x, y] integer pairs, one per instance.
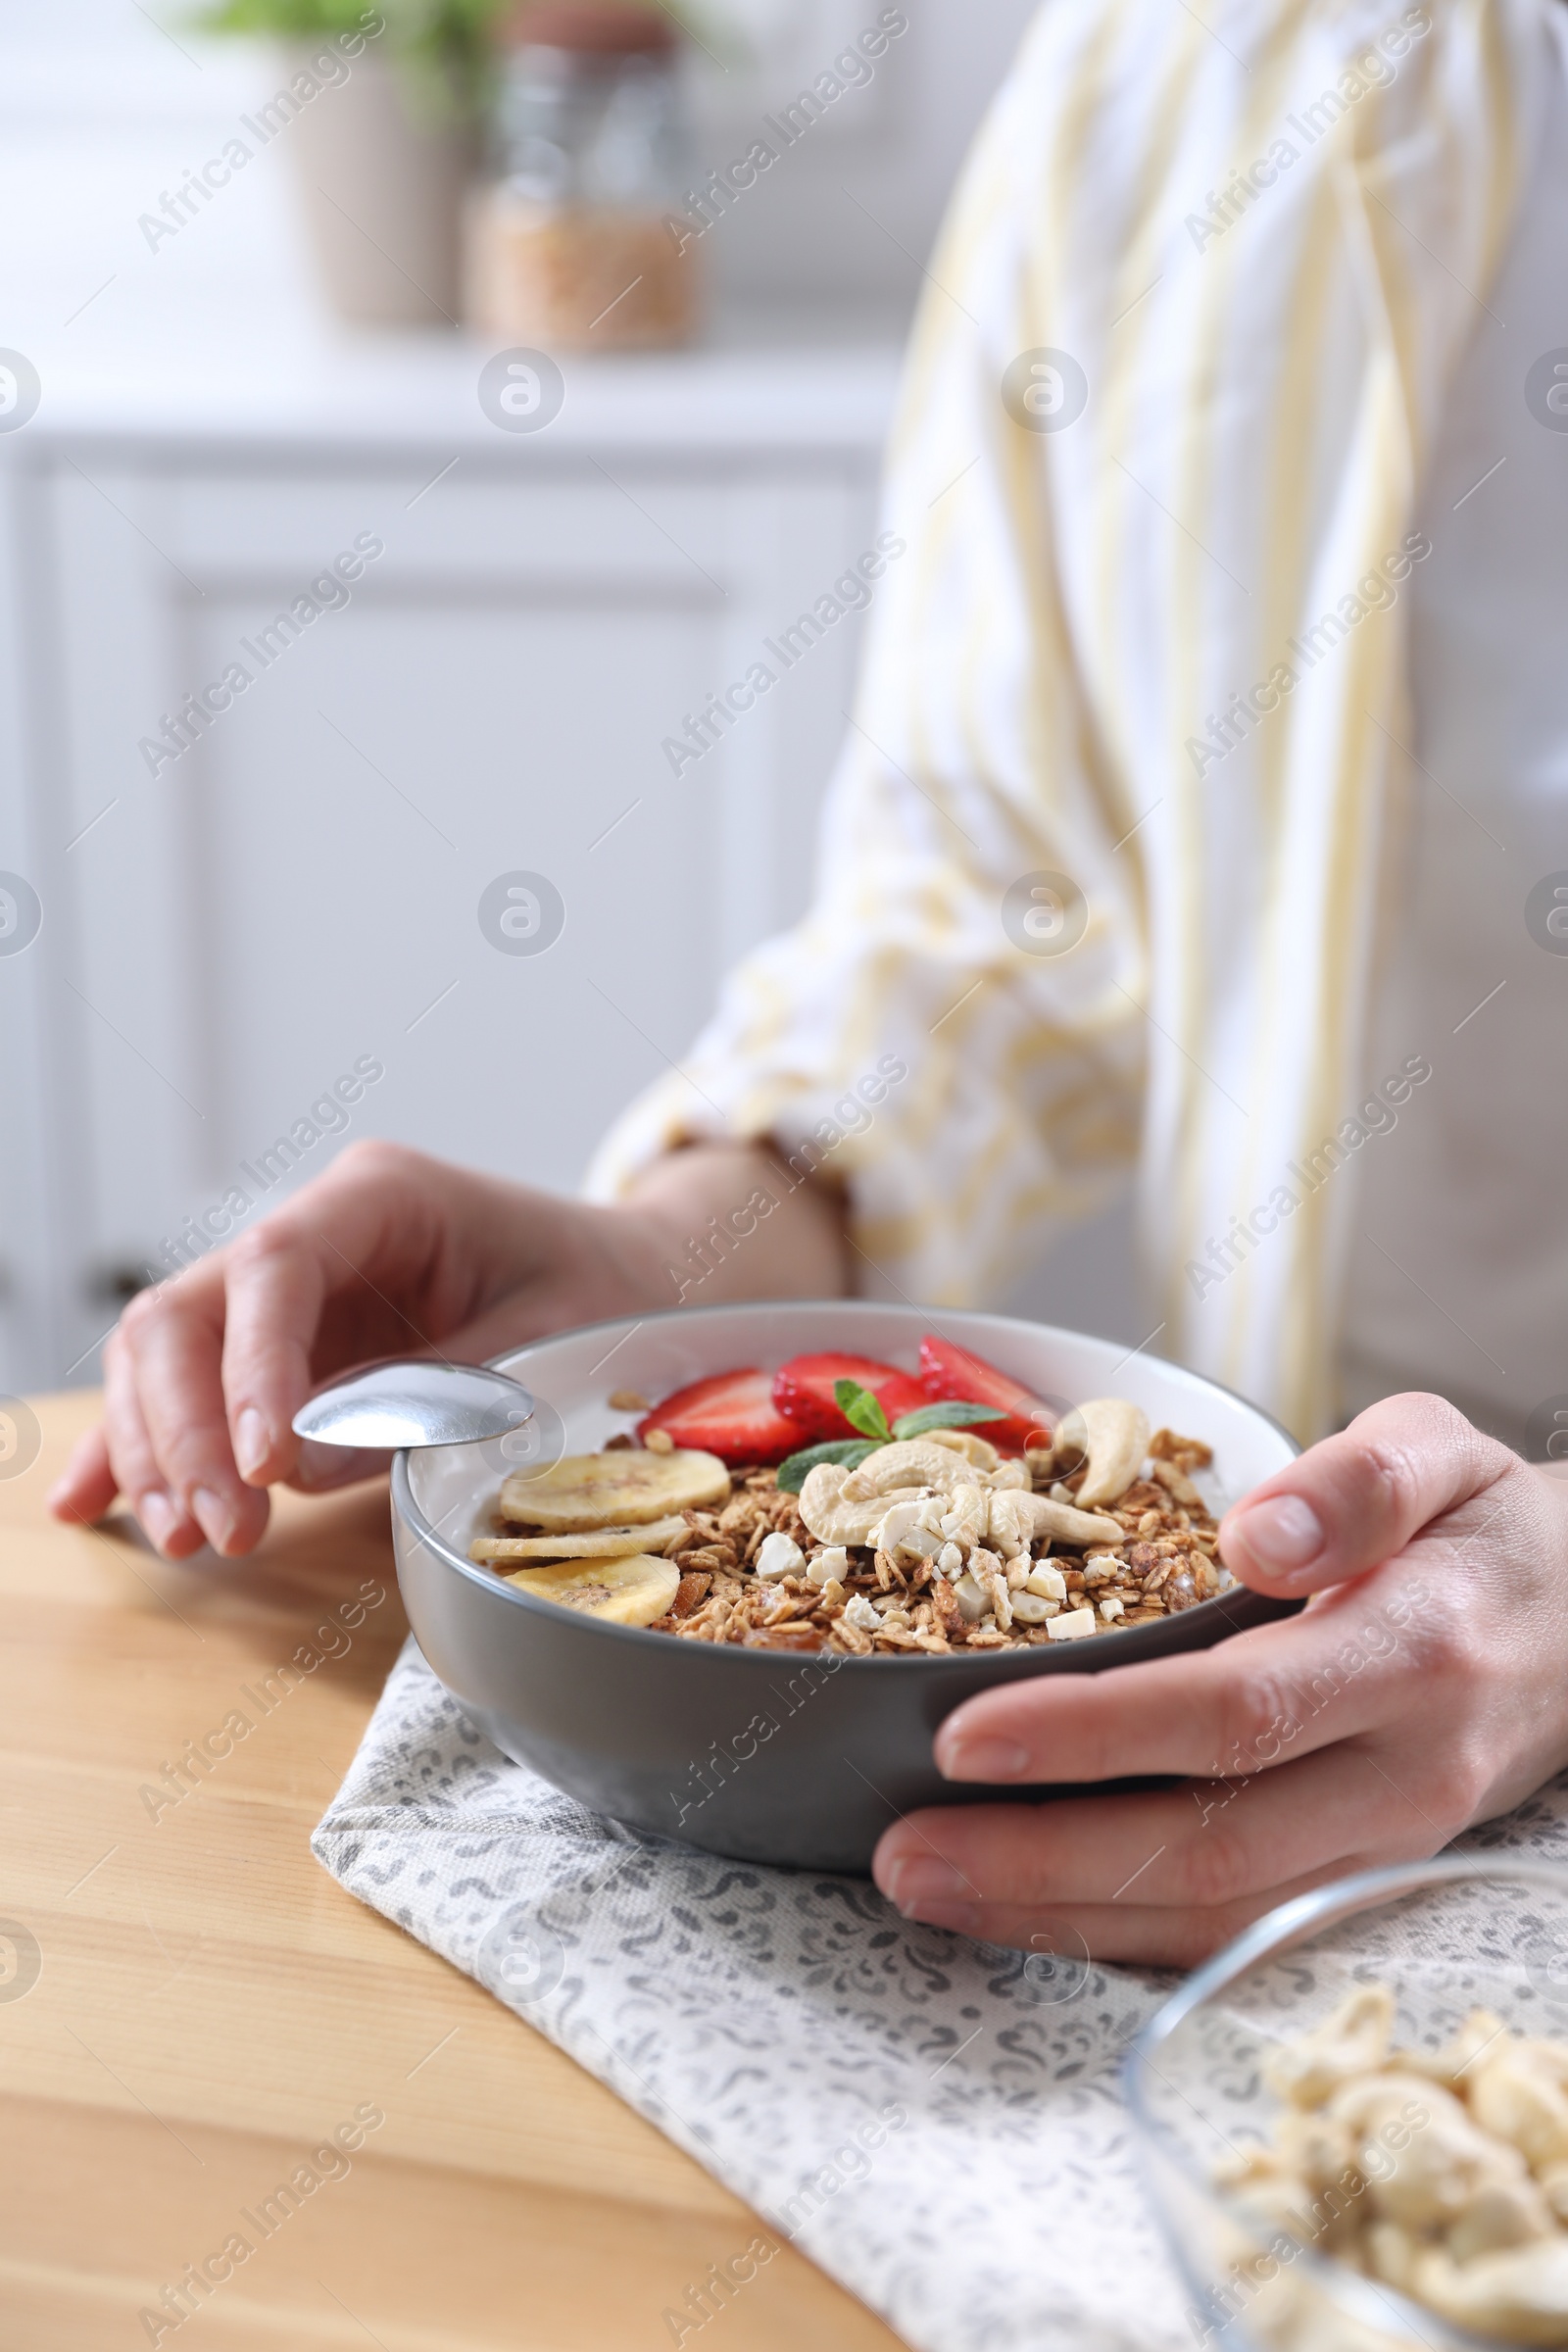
{"points": [[759, 1754]]}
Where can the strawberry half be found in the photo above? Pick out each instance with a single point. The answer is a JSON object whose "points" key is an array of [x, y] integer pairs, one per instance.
{"points": [[804, 1389], [949, 1371], [730, 1414]]}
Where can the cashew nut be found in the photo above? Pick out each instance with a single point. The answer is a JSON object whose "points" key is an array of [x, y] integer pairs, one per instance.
{"points": [[912, 1527], [778, 1555], [1284, 2201], [1442, 2175], [1032, 1608], [1317, 2146], [1520, 2295], [1450, 2065], [967, 1517], [1353, 2041], [1508, 2213], [1113, 1435], [881, 1502], [1514, 2094], [974, 1448], [1063, 1522], [836, 1517], [987, 1570], [972, 1597], [1391, 2254], [912, 1462], [1446, 2164]]}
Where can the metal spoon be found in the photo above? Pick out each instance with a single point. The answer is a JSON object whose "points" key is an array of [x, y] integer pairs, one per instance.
{"points": [[413, 1402]]}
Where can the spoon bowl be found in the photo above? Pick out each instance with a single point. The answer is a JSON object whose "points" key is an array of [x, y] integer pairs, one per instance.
{"points": [[413, 1402]]}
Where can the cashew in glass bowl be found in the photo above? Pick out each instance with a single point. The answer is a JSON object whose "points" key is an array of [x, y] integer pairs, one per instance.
{"points": [[1443, 2175]]}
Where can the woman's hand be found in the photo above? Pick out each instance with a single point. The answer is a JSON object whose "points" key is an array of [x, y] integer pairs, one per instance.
{"points": [[391, 1253], [1423, 1688]]}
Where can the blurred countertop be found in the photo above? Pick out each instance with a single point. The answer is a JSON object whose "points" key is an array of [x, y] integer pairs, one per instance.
{"points": [[817, 384]]}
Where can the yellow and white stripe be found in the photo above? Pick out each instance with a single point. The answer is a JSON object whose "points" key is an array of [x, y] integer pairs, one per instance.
{"points": [[1262, 404]]}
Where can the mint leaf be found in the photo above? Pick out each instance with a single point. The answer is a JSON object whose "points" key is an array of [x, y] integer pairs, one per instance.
{"points": [[954, 1414], [851, 1451], [861, 1410]]}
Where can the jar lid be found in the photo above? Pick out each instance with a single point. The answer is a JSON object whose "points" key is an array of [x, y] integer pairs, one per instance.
{"points": [[602, 28]]}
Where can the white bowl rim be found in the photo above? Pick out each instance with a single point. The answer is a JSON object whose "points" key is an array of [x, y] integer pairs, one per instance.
{"points": [[406, 1508]]}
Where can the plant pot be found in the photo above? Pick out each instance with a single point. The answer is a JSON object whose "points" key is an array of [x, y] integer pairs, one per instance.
{"points": [[383, 190]]}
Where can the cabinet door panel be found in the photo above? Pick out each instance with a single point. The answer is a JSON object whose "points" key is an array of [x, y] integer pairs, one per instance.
{"points": [[300, 888], [463, 523]]}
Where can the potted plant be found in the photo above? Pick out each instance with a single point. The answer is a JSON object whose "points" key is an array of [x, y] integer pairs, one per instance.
{"points": [[383, 108]]}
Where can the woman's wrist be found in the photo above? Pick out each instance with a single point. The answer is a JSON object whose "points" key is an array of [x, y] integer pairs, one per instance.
{"points": [[728, 1221], [712, 1224]]}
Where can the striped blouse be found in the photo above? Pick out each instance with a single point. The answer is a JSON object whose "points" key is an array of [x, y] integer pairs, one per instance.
{"points": [[1105, 865]]}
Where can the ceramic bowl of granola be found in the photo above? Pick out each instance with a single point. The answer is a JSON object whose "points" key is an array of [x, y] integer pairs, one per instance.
{"points": [[745, 1559]]}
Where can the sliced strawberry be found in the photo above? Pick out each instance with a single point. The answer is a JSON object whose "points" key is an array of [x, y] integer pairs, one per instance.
{"points": [[949, 1371], [730, 1414], [804, 1389]]}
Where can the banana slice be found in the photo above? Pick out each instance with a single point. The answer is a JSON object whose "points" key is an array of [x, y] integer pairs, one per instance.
{"points": [[626, 1489], [630, 1590], [605, 1543]]}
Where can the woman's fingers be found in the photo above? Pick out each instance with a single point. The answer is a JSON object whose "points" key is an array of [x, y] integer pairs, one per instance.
{"points": [[339, 1274], [204, 1374], [1261, 1699], [1156, 1938], [1359, 1497], [175, 1345], [277, 1283], [88, 1485], [134, 1467], [1206, 1847]]}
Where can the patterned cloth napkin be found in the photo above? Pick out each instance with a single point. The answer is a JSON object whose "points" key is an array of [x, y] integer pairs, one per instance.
{"points": [[937, 2123]]}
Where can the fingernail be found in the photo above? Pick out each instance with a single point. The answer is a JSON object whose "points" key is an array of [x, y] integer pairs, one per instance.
{"points": [[158, 1515], [213, 1516], [962, 1918], [1283, 1533], [253, 1442], [920, 1882], [982, 1761]]}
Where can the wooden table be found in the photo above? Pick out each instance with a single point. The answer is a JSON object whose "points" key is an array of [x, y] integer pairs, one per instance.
{"points": [[209, 2005]]}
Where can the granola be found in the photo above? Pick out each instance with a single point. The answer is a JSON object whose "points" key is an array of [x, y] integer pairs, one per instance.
{"points": [[930, 1546]]}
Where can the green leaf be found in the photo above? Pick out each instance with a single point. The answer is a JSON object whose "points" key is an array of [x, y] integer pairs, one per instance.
{"points": [[851, 1451], [447, 48], [954, 1414], [861, 1410]]}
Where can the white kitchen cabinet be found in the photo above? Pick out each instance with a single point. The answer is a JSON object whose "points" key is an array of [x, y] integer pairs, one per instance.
{"points": [[300, 888]]}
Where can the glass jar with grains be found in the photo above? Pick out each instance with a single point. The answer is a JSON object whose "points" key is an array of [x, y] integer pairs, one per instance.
{"points": [[569, 246]]}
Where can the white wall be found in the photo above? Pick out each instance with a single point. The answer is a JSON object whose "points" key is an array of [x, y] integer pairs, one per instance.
{"points": [[853, 211], [100, 110]]}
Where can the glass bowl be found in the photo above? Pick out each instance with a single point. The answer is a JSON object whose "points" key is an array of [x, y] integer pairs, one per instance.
{"points": [[1458, 1934]]}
